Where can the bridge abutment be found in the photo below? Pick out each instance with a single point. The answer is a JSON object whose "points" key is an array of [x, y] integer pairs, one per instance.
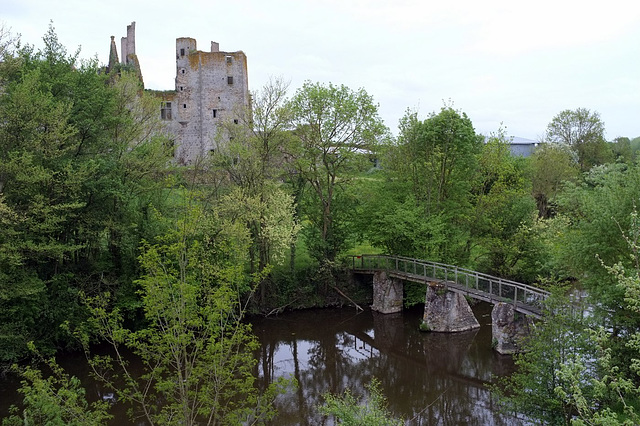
{"points": [[447, 311], [387, 293], [508, 328]]}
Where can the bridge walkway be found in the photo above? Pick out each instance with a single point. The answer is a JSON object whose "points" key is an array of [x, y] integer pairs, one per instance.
{"points": [[526, 299]]}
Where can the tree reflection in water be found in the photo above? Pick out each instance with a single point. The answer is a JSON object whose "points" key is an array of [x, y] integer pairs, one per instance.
{"points": [[428, 378]]}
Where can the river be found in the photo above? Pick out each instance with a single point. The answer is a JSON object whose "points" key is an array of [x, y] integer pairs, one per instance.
{"points": [[428, 378]]}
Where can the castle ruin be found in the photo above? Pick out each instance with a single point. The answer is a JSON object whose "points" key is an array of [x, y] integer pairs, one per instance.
{"points": [[211, 88]]}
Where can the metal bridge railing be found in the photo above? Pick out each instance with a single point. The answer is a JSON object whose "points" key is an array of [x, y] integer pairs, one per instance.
{"points": [[482, 285]]}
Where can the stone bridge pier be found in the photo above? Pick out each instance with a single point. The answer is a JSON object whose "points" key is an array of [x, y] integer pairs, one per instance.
{"points": [[508, 328], [446, 311], [387, 293], [449, 311]]}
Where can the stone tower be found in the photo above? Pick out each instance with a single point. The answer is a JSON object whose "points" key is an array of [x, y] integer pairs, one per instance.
{"points": [[128, 53], [128, 44], [211, 88]]}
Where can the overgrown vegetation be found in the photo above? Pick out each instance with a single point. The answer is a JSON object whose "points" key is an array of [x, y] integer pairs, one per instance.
{"points": [[349, 411], [103, 239]]}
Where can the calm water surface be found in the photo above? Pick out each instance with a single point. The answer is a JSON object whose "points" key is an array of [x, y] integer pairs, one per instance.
{"points": [[428, 378]]}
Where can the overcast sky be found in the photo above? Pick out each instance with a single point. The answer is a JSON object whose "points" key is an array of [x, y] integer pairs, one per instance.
{"points": [[500, 61]]}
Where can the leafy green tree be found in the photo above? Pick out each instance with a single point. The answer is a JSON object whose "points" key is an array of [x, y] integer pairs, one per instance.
{"points": [[438, 155], [635, 145], [600, 389], [79, 168], [597, 209], [58, 399], [621, 148], [504, 212], [39, 188], [8, 44], [558, 340], [437, 158], [349, 411], [337, 129], [254, 160], [552, 165], [582, 131], [196, 350], [390, 218]]}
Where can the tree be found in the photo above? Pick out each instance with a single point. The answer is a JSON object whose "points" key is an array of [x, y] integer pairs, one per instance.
{"points": [[79, 168], [437, 157], [350, 412], [582, 131], [337, 129], [390, 218], [595, 385], [196, 350], [635, 145], [597, 209], [440, 153], [255, 161], [621, 149], [55, 400], [40, 188], [552, 165], [504, 212], [558, 340], [8, 44]]}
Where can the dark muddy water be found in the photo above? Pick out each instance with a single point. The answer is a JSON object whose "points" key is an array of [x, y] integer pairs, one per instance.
{"points": [[428, 378]]}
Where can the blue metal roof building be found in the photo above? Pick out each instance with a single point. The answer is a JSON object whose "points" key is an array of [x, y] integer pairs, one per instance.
{"points": [[522, 147]]}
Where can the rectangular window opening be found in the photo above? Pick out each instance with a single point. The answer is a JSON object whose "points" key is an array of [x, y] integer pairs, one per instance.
{"points": [[181, 52], [215, 113], [230, 79], [165, 110], [228, 59], [184, 105]]}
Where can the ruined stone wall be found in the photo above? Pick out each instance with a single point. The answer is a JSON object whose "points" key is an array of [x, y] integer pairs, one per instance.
{"points": [[211, 88], [128, 43]]}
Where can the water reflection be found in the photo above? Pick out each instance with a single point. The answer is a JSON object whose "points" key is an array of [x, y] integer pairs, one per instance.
{"points": [[428, 378]]}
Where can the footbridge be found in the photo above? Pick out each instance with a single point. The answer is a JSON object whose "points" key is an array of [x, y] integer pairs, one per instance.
{"points": [[525, 299], [447, 287]]}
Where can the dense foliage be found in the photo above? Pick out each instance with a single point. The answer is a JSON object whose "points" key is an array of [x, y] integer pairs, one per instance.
{"points": [[103, 239], [81, 163]]}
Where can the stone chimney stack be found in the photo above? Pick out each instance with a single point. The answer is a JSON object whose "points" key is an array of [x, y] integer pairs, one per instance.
{"points": [[128, 43], [113, 55], [215, 47]]}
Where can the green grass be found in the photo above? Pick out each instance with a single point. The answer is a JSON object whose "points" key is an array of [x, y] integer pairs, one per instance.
{"points": [[362, 248]]}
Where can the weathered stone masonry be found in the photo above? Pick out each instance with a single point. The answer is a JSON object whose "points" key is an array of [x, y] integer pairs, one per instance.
{"points": [[211, 88]]}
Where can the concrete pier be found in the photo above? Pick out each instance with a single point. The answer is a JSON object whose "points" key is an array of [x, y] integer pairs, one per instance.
{"points": [[387, 293], [447, 311]]}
